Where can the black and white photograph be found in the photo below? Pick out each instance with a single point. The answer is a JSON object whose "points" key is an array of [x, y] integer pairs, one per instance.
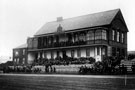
{"points": [[67, 45]]}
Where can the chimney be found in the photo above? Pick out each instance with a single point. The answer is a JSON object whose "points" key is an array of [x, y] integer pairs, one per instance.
{"points": [[59, 19]]}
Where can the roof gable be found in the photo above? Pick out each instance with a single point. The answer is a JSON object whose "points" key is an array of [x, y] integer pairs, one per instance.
{"points": [[21, 46], [118, 22], [85, 21]]}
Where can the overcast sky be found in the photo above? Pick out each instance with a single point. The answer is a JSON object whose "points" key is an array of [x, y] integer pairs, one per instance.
{"points": [[20, 19]]}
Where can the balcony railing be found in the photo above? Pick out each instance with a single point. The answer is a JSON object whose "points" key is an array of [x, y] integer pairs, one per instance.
{"points": [[70, 43]]}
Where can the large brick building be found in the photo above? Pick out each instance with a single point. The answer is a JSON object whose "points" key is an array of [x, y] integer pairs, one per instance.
{"points": [[93, 35]]}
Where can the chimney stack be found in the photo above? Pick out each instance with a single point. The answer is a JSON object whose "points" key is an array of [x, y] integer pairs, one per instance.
{"points": [[59, 19]]}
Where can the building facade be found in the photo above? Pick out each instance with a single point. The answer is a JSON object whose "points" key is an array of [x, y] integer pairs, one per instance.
{"points": [[20, 55], [95, 35]]}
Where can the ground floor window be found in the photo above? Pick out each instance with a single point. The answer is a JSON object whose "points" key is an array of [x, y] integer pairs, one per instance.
{"points": [[17, 60], [87, 52], [78, 53], [58, 54], [113, 51], [72, 53], [52, 55], [98, 51], [103, 51], [23, 61]]}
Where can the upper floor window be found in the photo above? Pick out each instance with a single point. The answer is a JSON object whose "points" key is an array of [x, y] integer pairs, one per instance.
{"points": [[118, 36], [76, 38], [16, 53], [54, 39], [98, 34], [104, 34], [122, 37], [49, 40], [113, 34], [45, 41], [90, 35], [82, 37]]}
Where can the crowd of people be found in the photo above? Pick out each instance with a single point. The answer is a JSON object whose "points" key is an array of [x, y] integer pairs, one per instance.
{"points": [[121, 69], [29, 69], [109, 65]]}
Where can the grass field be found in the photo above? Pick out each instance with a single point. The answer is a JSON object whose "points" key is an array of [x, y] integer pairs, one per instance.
{"points": [[65, 82]]}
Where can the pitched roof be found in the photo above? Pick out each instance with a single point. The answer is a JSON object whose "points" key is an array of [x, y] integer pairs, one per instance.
{"points": [[21, 46], [85, 21]]}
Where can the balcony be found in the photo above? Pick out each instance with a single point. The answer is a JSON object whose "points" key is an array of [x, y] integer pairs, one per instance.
{"points": [[89, 37], [69, 43]]}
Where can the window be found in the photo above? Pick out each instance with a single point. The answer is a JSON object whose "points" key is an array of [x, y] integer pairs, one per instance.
{"points": [[76, 38], [113, 34], [38, 55], [78, 53], [113, 51], [23, 51], [118, 36], [122, 37], [58, 54], [16, 53], [14, 60], [52, 55], [54, 39], [49, 40], [98, 51], [87, 52], [72, 53], [90, 35], [104, 34], [45, 41], [17, 61], [98, 34], [82, 37], [23, 62], [103, 51], [45, 55]]}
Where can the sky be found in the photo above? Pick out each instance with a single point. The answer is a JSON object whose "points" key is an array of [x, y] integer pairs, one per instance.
{"points": [[20, 19]]}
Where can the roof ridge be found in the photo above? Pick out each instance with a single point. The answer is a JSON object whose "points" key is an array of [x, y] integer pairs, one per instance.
{"points": [[118, 9]]}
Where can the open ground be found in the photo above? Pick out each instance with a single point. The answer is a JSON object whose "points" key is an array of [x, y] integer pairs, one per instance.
{"points": [[66, 82]]}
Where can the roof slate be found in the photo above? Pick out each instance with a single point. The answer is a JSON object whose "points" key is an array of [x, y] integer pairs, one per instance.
{"points": [[85, 21]]}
